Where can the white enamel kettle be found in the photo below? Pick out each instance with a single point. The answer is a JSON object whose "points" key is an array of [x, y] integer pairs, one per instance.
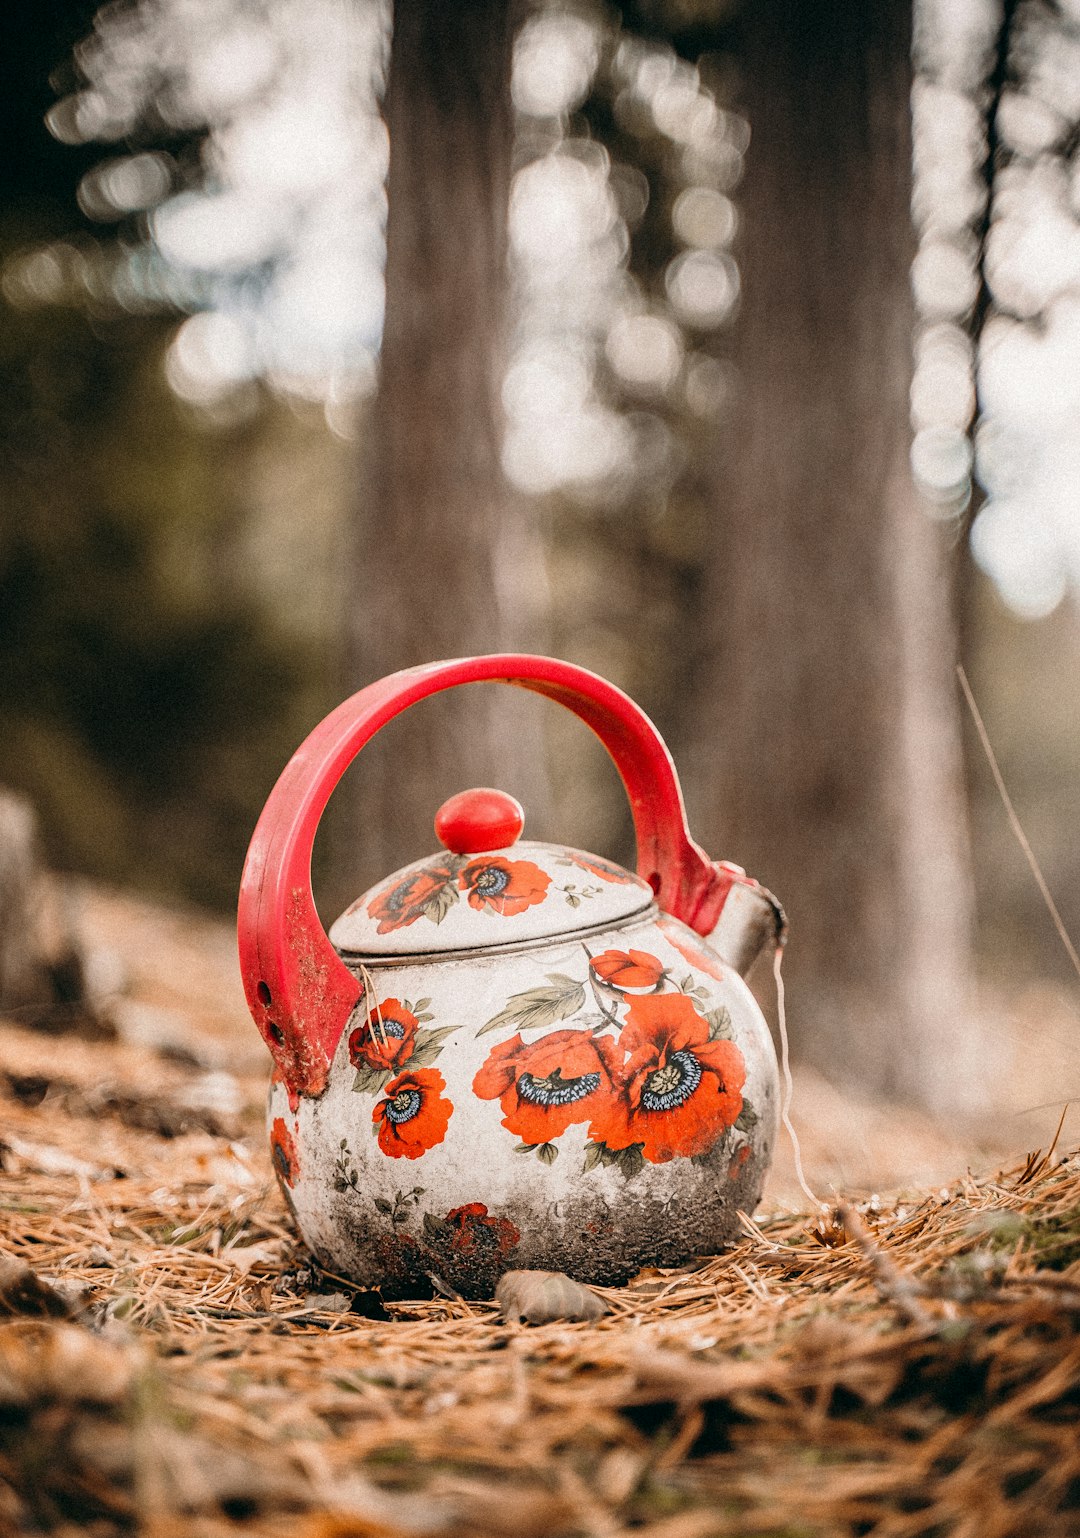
{"points": [[510, 1054]]}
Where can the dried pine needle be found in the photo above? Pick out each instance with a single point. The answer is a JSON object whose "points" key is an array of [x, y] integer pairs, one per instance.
{"points": [[905, 1367]]}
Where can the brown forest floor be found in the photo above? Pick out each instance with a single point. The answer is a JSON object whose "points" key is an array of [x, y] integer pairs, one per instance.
{"points": [[904, 1364]]}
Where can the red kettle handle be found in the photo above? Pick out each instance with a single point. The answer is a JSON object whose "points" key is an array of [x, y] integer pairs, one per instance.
{"points": [[299, 991]]}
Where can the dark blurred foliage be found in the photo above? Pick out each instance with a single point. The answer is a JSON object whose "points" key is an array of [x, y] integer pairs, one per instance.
{"points": [[128, 647], [128, 639], [38, 175]]}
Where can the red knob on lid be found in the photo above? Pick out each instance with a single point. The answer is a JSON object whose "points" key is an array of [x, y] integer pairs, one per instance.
{"points": [[477, 820]]}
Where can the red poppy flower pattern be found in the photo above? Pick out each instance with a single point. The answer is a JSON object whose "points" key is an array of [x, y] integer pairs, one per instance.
{"points": [[492, 884], [628, 969], [386, 1038], [503, 886], [678, 1092], [419, 894], [283, 1152], [603, 869], [414, 1114], [547, 1085], [474, 1229], [667, 1084]]}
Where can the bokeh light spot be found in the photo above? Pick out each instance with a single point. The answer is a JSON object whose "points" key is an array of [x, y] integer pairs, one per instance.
{"points": [[555, 58], [646, 352], [1014, 546], [210, 355], [701, 216], [125, 186], [703, 287]]}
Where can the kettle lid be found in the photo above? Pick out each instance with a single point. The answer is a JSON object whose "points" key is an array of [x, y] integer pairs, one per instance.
{"points": [[487, 887]]}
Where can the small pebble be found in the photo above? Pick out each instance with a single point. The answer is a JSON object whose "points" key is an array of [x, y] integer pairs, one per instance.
{"points": [[328, 1302], [540, 1297]]}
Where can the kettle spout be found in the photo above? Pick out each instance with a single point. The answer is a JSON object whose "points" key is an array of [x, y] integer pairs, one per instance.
{"points": [[749, 919]]}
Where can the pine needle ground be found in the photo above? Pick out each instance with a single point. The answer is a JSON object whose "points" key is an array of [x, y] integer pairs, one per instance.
{"points": [[899, 1366]]}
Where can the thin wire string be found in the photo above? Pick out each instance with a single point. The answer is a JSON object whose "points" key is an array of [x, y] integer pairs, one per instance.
{"points": [[1014, 821], [789, 1083]]}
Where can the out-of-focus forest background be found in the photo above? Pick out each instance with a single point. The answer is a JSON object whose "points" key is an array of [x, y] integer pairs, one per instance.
{"points": [[729, 349]]}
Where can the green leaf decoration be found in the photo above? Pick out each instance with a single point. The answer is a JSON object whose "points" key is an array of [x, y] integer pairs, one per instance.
{"points": [[629, 1161], [371, 1081], [439, 903], [340, 1184], [427, 1045], [383, 1206], [526, 1148], [687, 984], [747, 1118], [719, 1023], [437, 1228], [547, 1153], [538, 1007], [419, 1005], [424, 1015]]}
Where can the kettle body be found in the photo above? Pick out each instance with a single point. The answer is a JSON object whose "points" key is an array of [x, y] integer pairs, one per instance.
{"points": [[510, 1054]]}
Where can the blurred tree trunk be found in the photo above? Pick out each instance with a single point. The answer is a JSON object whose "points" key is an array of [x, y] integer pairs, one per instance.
{"points": [[42, 980], [445, 563], [836, 779], [22, 975]]}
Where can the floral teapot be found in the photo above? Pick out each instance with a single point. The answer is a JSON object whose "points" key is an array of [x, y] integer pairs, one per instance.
{"points": [[509, 1053]]}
